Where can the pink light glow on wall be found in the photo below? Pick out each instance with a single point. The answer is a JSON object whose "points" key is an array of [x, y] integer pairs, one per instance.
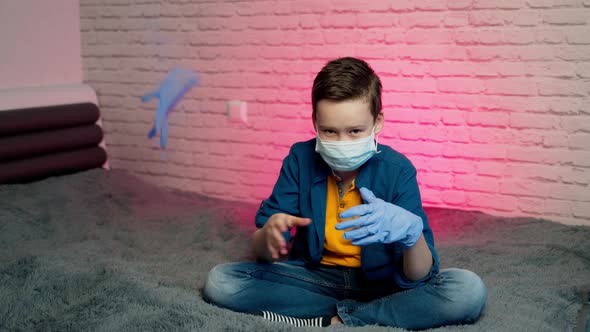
{"points": [[487, 98]]}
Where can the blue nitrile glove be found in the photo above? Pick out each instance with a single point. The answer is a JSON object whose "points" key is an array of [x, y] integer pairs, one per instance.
{"points": [[380, 222], [177, 82]]}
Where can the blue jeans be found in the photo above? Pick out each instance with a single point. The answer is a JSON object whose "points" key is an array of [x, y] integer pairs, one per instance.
{"points": [[453, 296]]}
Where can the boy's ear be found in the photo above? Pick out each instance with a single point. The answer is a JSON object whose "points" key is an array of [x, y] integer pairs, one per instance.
{"points": [[379, 122]]}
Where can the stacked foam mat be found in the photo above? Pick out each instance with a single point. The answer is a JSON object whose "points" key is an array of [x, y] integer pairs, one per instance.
{"points": [[45, 141]]}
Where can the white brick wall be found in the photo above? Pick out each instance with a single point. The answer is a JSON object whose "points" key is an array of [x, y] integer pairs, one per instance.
{"points": [[490, 99]]}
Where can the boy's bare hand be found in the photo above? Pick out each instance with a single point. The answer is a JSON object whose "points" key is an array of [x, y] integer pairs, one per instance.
{"points": [[276, 225]]}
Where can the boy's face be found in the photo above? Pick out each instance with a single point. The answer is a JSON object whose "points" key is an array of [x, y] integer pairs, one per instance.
{"points": [[345, 120]]}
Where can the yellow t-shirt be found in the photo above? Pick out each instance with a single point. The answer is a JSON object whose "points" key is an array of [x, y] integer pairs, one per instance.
{"points": [[337, 250]]}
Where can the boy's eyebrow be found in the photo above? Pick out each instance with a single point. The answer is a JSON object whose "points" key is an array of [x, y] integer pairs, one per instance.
{"points": [[347, 128]]}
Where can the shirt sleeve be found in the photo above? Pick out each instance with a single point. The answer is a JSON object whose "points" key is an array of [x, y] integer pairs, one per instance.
{"points": [[285, 195], [409, 199]]}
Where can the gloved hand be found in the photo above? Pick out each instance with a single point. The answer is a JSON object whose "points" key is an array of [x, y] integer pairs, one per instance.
{"points": [[380, 222], [177, 82]]}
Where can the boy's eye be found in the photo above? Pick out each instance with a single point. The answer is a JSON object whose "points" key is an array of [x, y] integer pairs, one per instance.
{"points": [[355, 131]]}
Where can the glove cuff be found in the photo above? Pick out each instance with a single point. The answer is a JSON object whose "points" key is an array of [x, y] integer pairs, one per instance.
{"points": [[413, 235]]}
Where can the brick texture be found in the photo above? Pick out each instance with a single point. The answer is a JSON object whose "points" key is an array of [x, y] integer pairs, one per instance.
{"points": [[489, 99]]}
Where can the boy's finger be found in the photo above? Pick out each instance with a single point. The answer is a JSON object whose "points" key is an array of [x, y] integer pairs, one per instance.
{"points": [[284, 251], [278, 240], [272, 250], [358, 222], [282, 248], [357, 233], [283, 226], [293, 221], [275, 242], [367, 195], [359, 210]]}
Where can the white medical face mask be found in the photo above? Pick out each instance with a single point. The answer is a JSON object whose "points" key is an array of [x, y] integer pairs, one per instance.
{"points": [[346, 155]]}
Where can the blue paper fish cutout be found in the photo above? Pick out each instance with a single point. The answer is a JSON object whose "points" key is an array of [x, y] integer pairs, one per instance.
{"points": [[177, 82]]}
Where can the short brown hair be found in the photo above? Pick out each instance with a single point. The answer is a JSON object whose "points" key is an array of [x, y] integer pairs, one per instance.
{"points": [[347, 79]]}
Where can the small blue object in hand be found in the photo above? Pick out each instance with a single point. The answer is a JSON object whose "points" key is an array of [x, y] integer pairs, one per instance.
{"points": [[178, 82], [380, 222]]}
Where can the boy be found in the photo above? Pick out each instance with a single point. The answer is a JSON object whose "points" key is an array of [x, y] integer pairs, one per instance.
{"points": [[363, 252]]}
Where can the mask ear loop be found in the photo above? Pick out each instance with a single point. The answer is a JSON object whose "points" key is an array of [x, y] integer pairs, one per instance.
{"points": [[376, 141]]}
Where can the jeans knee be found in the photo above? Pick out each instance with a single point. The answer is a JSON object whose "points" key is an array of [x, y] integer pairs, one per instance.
{"points": [[219, 287], [469, 294]]}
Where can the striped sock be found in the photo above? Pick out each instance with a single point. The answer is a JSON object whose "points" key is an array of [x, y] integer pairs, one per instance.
{"points": [[299, 322]]}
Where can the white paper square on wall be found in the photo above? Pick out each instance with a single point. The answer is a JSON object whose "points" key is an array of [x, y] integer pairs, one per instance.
{"points": [[237, 111]]}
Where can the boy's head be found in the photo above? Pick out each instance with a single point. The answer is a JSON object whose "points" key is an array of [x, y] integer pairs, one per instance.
{"points": [[347, 79], [347, 115]]}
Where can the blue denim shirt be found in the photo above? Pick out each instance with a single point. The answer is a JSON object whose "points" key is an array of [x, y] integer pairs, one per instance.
{"points": [[301, 191]]}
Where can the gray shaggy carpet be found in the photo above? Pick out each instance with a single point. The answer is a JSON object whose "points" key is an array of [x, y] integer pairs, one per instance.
{"points": [[104, 251]]}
